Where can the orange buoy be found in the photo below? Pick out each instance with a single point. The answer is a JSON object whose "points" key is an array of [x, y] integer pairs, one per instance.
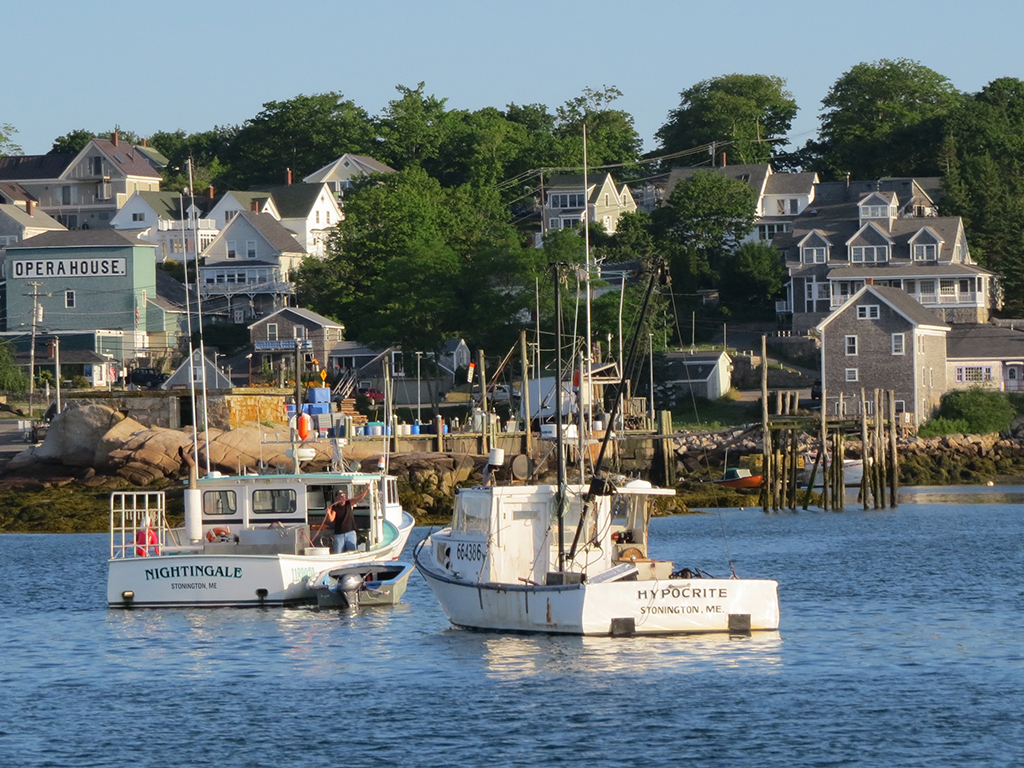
{"points": [[304, 425]]}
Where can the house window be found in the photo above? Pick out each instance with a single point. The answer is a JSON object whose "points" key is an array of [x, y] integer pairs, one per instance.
{"points": [[318, 217], [781, 207], [867, 311], [271, 331], [824, 291], [900, 406], [69, 299], [851, 374], [250, 249], [138, 217], [973, 374], [300, 332], [97, 166], [925, 251], [920, 345], [239, 315], [67, 196], [869, 407], [232, 249], [227, 216], [851, 346], [897, 344], [103, 190], [566, 201], [814, 255], [947, 287], [875, 211], [553, 224], [794, 206], [769, 231], [869, 253], [809, 291], [328, 214]]}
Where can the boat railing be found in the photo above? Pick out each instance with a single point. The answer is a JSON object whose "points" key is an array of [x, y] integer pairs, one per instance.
{"points": [[138, 523]]}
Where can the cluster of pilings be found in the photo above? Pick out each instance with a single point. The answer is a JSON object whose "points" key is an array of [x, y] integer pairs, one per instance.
{"points": [[781, 453]]}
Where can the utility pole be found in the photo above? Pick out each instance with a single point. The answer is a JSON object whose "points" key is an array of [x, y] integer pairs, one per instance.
{"points": [[37, 317], [56, 362]]}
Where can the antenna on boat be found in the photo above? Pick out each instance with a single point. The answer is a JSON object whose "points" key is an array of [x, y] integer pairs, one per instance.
{"points": [[188, 320], [559, 441], [199, 303]]}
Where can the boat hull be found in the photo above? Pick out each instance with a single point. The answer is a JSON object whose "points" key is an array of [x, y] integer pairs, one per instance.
{"points": [[215, 580], [656, 607], [741, 482]]}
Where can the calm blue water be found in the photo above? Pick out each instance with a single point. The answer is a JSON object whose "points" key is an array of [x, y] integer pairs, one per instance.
{"points": [[901, 645]]}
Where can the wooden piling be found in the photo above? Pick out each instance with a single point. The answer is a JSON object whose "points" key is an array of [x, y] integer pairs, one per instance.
{"points": [[894, 461]]}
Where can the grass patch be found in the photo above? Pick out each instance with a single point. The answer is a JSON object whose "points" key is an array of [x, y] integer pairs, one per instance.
{"points": [[715, 414]]}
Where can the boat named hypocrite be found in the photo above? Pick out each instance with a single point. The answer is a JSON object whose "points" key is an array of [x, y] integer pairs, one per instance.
{"points": [[249, 540], [496, 568], [574, 558]]}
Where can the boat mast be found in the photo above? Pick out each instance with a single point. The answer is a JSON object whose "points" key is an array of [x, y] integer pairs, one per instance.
{"points": [[188, 320], [559, 443], [199, 305], [586, 376]]}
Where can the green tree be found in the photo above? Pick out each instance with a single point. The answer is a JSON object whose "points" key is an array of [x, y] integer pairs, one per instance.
{"points": [[611, 135], [302, 134], [702, 222], [753, 113], [12, 378], [752, 278], [7, 145], [206, 150], [413, 128], [71, 143], [983, 156], [883, 119]]}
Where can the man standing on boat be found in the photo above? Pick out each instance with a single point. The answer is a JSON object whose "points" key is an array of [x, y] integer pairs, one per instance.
{"points": [[342, 513]]}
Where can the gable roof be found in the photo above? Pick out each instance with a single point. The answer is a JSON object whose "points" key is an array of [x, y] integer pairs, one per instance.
{"points": [[899, 301], [755, 176], [298, 313], [181, 378], [82, 238], [295, 201], [29, 167], [38, 219], [13, 192], [123, 156], [166, 205], [791, 183], [347, 166], [272, 230]]}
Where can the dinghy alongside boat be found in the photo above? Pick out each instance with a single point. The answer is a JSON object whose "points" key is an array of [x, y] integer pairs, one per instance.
{"points": [[353, 586]]}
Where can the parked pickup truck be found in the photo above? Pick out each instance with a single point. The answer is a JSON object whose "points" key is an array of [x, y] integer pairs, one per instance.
{"points": [[499, 393]]}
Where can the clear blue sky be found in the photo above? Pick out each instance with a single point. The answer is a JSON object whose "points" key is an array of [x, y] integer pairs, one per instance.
{"points": [[187, 64]]}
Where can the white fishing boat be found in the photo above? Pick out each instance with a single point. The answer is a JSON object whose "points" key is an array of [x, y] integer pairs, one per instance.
{"points": [[352, 586], [497, 568], [247, 540], [574, 559]]}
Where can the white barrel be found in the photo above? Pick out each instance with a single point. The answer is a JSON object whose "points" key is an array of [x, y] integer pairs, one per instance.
{"points": [[497, 457]]}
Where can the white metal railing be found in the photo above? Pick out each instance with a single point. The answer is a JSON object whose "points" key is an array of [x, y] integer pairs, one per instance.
{"points": [[165, 224], [223, 289], [966, 298], [838, 301], [138, 523], [782, 307]]}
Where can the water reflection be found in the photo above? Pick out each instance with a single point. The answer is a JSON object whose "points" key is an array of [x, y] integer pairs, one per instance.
{"points": [[962, 494], [510, 657]]}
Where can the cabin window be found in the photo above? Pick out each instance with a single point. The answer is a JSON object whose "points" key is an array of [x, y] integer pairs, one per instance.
{"points": [[219, 503], [276, 501], [472, 513]]}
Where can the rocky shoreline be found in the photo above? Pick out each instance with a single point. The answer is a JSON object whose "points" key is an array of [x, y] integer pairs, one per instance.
{"points": [[63, 485]]}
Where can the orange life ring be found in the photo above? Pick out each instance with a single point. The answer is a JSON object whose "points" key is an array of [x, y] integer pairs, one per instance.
{"points": [[145, 539], [216, 533]]}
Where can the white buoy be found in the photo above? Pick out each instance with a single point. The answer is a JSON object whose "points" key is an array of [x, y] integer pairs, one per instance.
{"points": [[497, 457]]}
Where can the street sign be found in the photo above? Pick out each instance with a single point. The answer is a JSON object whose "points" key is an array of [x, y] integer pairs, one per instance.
{"points": [[323, 375]]}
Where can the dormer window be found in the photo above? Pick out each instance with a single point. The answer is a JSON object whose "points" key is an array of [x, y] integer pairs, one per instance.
{"points": [[869, 254], [877, 212], [814, 255], [925, 252]]}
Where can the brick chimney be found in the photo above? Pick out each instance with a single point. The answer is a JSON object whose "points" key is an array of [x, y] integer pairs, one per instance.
{"points": [[144, 143], [209, 192], [29, 205], [288, 176], [869, 281], [113, 138]]}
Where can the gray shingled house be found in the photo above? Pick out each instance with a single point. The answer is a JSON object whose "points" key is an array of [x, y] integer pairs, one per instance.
{"points": [[886, 232], [881, 338]]}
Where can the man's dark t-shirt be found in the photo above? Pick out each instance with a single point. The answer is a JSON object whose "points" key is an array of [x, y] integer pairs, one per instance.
{"points": [[344, 517]]}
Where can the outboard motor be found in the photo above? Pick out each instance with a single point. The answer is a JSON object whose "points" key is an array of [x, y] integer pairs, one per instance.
{"points": [[348, 588]]}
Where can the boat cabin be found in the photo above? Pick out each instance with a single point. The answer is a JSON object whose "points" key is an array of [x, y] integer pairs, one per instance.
{"points": [[250, 508], [509, 534]]}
